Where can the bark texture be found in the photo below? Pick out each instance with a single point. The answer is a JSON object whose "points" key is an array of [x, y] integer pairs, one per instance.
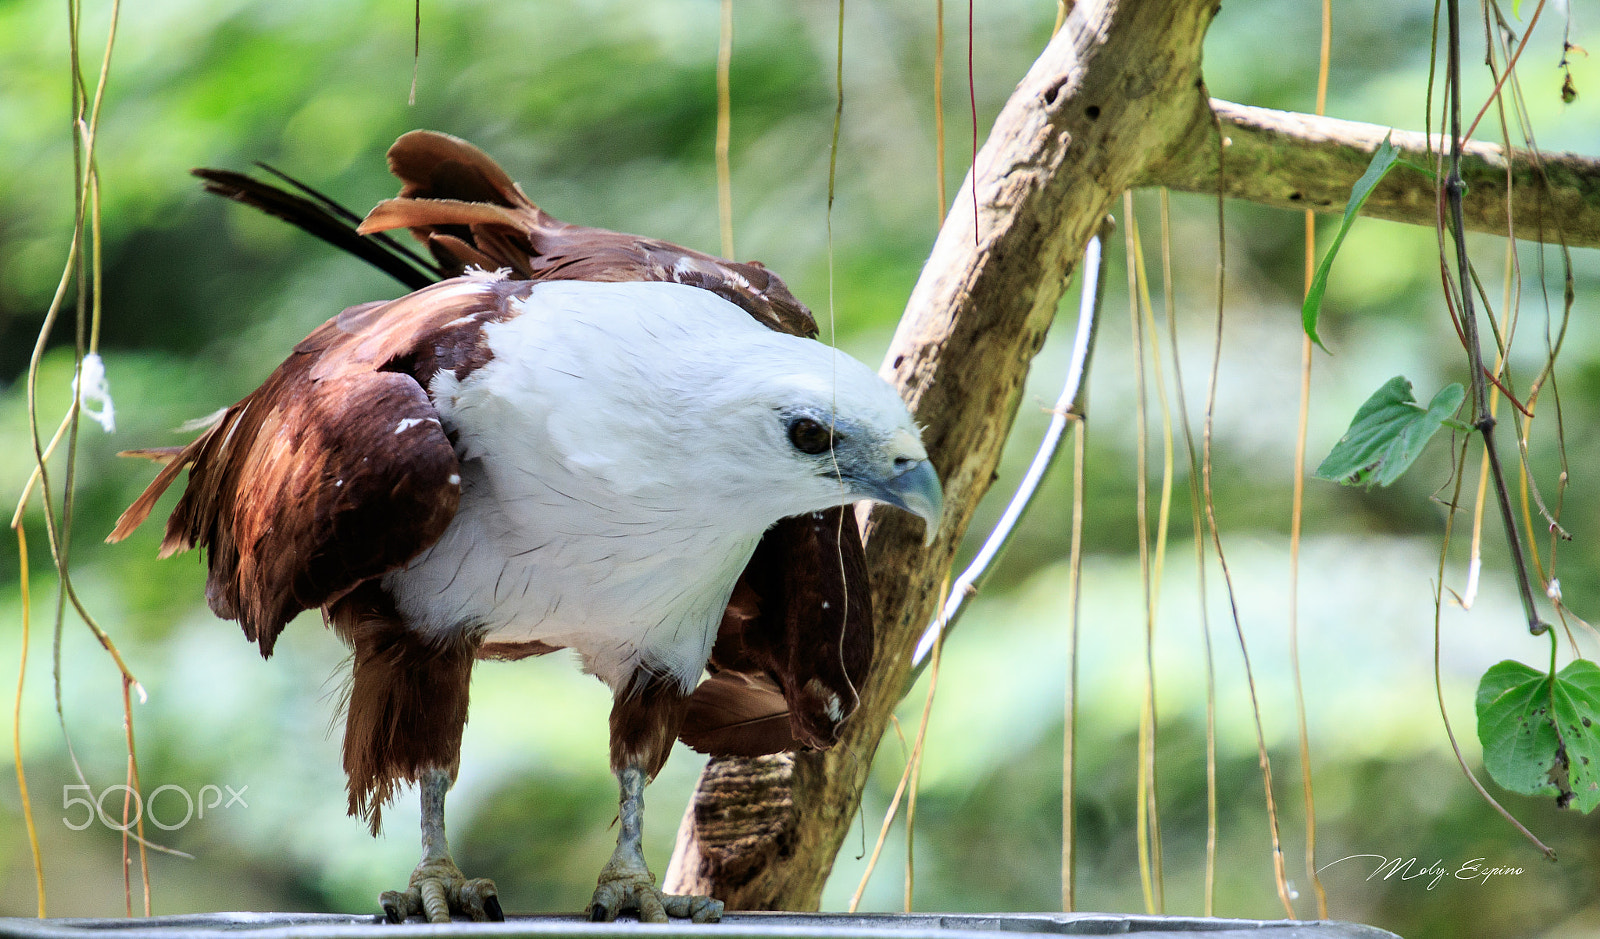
{"points": [[1300, 161], [1119, 86]]}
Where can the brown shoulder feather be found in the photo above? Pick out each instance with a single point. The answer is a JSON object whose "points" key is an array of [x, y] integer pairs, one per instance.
{"points": [[336, 470]]}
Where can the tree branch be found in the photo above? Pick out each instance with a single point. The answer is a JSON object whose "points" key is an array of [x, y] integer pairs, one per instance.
{"points": [[1300, 161], [1115, 101]]}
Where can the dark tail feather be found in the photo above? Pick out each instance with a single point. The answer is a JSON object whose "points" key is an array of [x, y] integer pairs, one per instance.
{"points": [[321, 216], [321, 198]]}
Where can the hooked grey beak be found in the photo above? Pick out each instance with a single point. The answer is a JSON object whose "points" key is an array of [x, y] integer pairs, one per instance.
{"points": [[916, 489]]}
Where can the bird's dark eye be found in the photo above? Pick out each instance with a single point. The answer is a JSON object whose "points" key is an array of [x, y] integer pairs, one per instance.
{"points": [[809, 436]]}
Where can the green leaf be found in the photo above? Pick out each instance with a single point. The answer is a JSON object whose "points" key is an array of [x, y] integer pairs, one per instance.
{"points": [[1387, 434], [1382, 161], [1538, 733]]}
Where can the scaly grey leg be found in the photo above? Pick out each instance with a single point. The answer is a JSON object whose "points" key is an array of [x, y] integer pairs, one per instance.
{"points": [[626, 882], [438, 888]]}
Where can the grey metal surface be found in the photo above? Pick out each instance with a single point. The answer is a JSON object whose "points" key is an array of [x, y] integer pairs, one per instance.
{"points": [[733, 926]]}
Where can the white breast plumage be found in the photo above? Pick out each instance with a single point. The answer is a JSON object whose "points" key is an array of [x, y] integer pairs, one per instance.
{"points": [[572, 530]]}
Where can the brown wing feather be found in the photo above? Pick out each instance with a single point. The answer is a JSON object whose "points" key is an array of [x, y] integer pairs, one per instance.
{"points": [[801, 614], [737, 714], [336, 470]]}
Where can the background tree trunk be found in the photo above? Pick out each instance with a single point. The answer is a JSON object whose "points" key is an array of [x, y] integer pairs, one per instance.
{"points": [[1118, 87]]}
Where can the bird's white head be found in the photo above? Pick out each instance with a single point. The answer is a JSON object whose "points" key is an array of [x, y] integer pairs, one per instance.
{"points": [[673, 390], [832, 430]]}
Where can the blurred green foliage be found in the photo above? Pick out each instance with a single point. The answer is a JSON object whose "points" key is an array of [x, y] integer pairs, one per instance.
{"points": [[606, 112]]}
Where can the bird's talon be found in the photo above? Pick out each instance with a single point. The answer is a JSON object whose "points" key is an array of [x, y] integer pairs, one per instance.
{"points": [[705, 910], [696, 909], [396, 906], [477, 898], [605, 905], [637, 893], [435, 899], [438, 891]]}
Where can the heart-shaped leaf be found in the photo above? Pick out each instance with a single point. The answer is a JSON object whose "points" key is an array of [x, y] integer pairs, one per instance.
{"points": [[1388, 434], [1538, 733]]}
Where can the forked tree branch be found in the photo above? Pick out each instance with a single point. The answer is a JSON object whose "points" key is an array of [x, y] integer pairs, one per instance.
{"points": [[1116, 101]]}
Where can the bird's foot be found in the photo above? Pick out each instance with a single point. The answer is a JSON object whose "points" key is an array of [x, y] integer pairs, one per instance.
{"points": [[439, 889], [629, 888]]}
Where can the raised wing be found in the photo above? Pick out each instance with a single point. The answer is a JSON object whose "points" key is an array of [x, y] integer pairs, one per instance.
{"points": [[464, 207], [336, 470]]}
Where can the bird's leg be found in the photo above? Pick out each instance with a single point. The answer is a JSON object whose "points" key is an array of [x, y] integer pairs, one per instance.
{"points": [[626, 882], [645, 719], [438, 888], [407, 708]]}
